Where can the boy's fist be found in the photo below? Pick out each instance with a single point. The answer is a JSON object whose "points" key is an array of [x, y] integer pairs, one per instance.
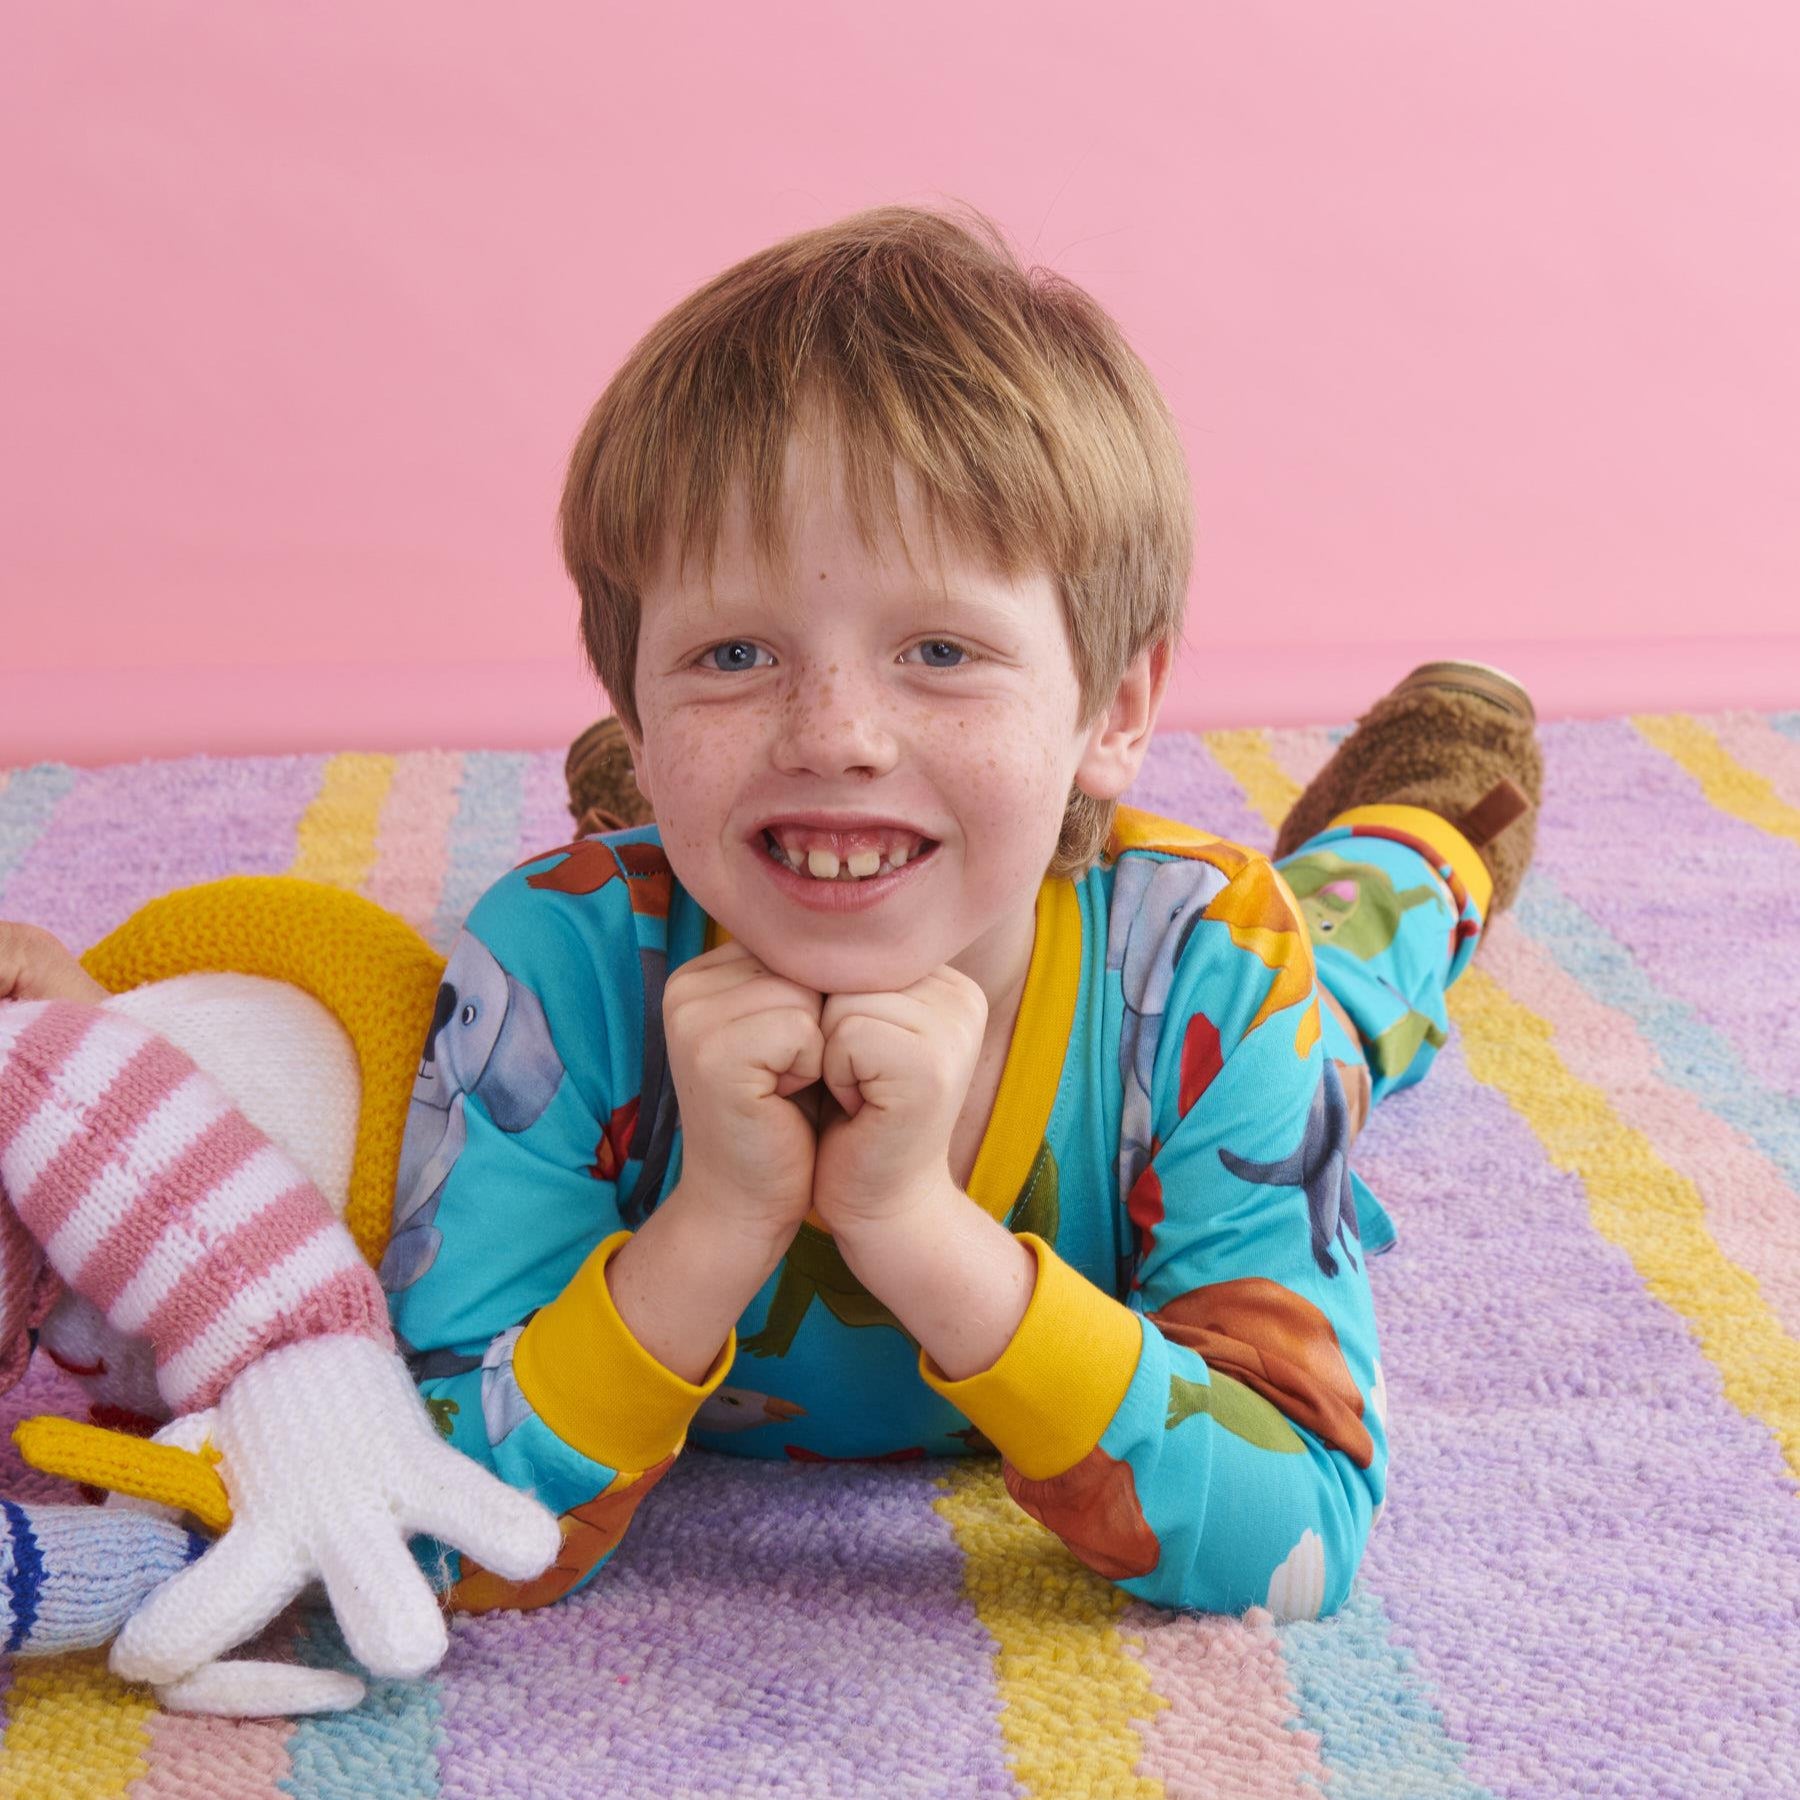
{"points": [[36, 966], [898, 1068], [741, 1040]]}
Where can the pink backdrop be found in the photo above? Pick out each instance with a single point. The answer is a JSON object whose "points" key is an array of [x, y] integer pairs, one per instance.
{"points": [[1480, 324]]}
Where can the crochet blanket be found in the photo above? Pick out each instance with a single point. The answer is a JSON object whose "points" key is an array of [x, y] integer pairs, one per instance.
{"points": [[1587, 1579]]}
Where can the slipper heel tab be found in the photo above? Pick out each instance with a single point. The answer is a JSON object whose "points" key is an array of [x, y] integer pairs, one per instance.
{"points": [[1504, 802]]}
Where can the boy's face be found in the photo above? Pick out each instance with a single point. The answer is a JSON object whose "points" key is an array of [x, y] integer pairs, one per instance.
{"points": [[945, 702]]}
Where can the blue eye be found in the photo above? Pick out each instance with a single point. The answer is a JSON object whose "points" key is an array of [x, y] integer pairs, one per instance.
{"points": [[729, 644], [943, 644]]}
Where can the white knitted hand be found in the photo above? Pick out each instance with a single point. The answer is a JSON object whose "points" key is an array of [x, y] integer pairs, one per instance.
{"points": [[332, 1464]]}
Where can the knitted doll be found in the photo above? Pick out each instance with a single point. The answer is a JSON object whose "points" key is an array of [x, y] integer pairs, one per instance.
{"points": [[197, 1173]]}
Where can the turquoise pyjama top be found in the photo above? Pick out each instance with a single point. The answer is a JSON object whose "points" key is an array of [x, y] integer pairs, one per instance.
{"points": [[1193, 1401]]}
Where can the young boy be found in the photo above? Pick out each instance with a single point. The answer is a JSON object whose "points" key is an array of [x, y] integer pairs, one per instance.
{"points": [[895, 1092], [1074, 1188]]}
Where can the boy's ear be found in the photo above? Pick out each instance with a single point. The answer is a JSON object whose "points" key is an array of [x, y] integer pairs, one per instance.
{"points": [[1118, 742]]}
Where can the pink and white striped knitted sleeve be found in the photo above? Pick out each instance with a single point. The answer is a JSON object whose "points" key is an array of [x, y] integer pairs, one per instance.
{"points": [[155, 1199]]}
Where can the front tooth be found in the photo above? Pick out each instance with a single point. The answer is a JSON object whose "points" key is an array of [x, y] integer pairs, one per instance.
{"points": [[897, 857], [864, 863], [823, 864]]}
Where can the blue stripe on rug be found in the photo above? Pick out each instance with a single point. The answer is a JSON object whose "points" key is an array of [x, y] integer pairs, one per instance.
{"points": [[388, 1745], [27, 804], [1695, 1056], [1366, 1697], [484, 836]]}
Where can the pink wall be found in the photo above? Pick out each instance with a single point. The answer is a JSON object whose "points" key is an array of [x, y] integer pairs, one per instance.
{"points": [[1480, 323]]}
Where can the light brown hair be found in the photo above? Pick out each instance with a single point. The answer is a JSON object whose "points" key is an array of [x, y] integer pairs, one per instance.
{"points": [[1036, 436]]}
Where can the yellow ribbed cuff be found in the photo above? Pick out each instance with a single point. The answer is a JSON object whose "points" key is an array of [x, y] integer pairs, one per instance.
{"points": [[595, 1385], [1440, 834], [1061, 1380]]}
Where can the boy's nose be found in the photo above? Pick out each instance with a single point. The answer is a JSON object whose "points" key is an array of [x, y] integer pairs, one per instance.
{"points": [[832, 732]]}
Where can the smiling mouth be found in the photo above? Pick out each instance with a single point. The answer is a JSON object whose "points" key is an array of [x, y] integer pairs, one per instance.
{"points": [[824, 867]]}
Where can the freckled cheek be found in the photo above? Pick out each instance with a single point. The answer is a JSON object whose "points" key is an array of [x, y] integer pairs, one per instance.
{"points": [[701, 766], [1018, 778]]}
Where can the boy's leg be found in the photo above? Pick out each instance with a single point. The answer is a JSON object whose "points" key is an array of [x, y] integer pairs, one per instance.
{"points": [[1394, 921], [1416, 832]]}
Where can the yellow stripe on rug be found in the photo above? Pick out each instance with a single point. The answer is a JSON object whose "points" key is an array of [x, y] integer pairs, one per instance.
{"points": [[336, 838], [1725, 782], [1636, 1201], [1065, 1674], [74, 1731], [1246, 757]]}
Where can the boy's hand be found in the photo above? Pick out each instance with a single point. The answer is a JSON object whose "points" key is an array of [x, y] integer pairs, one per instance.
{"points": [[741, 1040], [36, 966], [898, 1068]]}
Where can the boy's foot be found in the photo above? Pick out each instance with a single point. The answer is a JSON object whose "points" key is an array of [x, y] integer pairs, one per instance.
{"points": [[603, 791], [1458, 739]]}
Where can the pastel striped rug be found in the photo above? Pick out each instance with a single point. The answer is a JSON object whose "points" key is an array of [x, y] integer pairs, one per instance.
{"points": [[1587, 1580]]}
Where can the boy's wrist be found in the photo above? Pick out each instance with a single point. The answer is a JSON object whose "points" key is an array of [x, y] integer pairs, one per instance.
{"points": [[704, 1206], [955, 1277], [684, 1278]]}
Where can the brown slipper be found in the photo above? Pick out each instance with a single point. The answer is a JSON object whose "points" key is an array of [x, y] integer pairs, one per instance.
{"points": [[1458, 739]]}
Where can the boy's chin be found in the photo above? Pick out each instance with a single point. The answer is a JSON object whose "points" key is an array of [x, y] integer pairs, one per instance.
{"points": [[837, 971]]}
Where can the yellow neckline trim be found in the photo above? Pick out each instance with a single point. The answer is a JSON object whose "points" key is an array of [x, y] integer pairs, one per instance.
{"points": [[1034, 1057]]}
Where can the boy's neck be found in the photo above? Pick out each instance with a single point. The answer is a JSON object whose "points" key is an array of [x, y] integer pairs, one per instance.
{"points": [[1000, 962]]}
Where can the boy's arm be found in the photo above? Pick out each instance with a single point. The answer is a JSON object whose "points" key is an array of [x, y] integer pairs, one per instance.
{"points": [[564, 1352], [1214, 1441]]}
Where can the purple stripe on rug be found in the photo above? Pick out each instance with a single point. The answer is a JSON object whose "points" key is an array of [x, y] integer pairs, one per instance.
{"points": [[1636, 845], [1181, 779], [544, 820], [742, 1616], [126, 834], [1594, 1557]]}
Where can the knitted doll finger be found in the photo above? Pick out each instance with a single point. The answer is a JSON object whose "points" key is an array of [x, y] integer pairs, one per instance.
{"points": [[255, 1690], [461, 1504], [234, 1590], [390, 1618]]}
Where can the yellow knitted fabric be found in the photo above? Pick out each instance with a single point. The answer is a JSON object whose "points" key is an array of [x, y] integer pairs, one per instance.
{"points": [[370, 969], [126, 1465]]}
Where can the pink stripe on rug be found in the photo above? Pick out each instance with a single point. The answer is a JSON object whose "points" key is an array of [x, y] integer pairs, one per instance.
{"points": [[1760, 747], [191, 1757], [1751, 1211], [1232, 1725], [1301, 753], [412, 844]]}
